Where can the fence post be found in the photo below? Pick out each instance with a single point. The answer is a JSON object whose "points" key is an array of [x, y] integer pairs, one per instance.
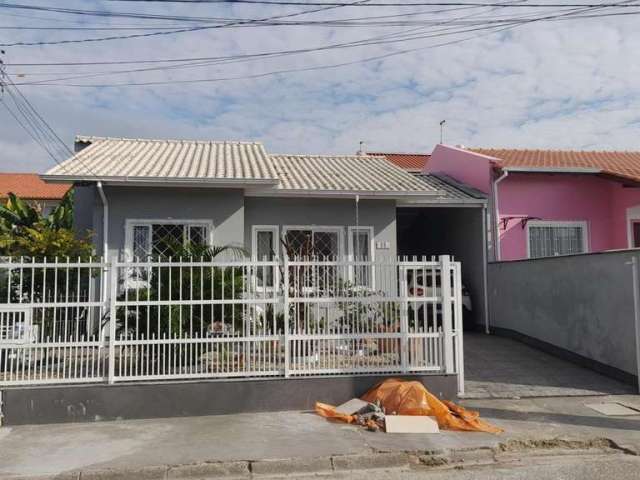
{"points": [[113, 279], [459, 326], [404, 319], [445, 283], [285, 302]]}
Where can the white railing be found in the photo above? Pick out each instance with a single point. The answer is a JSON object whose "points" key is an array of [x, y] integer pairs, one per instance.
{"points": [[152, 320]]}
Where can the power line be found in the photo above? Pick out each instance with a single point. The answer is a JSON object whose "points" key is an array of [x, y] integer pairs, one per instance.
{"points": [[33, 137], [381, 39], [36, 126], [372, 4], [175, 31], [208, 61]]}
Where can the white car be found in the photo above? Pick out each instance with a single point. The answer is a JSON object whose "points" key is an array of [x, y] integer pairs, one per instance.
{"points": [[420, 284], [419, 288]]}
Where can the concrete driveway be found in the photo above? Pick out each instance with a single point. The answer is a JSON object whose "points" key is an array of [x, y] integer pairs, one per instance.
{"points": [[498, 367]]}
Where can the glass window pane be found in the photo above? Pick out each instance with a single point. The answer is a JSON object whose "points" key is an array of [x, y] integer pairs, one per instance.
{"points": [[167, 240], [198, 235], [548, 241], [140, 247], [325, 244], [361, 244], [299, 243], [265, 250]]}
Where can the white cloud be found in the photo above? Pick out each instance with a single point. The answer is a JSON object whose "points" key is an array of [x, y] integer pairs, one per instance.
{"points": [[564, 84]]}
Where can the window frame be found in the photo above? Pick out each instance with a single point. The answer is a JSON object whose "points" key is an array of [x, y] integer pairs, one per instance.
{"points": [[633, 216], [632, 234], [255, 229], [559, 224], [318, 228], [351, 231], [131, 223], [275, 230]]}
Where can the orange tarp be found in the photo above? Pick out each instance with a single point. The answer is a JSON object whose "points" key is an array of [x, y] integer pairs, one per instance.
{"points": [[401, 397]]}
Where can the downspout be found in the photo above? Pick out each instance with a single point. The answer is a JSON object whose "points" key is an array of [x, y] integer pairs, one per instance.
{"points": [[105, 240], [105, 222], [496, 210]]}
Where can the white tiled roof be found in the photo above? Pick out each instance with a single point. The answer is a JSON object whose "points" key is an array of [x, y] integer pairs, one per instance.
{"points": [[125, 158], [354, 173], [157, 161]]}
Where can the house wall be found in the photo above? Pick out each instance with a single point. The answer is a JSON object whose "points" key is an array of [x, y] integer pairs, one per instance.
{"points": [[232, 214], [467, 167], [606, 205], [560, 197], [379, 214], [224, 207], [85, 203], [580, 304]]}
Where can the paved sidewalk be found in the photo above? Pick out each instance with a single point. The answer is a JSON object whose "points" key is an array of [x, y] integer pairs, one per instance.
{"points": [[55, 449]]}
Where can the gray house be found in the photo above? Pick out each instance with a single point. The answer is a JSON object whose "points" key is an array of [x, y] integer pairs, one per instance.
{"points": [[132, 193]]}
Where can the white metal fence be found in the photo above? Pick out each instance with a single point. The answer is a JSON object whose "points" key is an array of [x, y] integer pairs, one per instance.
{"points": [[152, 320]]}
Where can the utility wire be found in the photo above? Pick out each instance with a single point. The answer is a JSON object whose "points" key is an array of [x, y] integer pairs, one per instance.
{"points": [[381, 39], [175, 31], [249, 57], [37, 127]]}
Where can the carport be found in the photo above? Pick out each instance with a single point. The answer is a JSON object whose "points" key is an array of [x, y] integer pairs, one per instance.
{"points": [[453, 224]]}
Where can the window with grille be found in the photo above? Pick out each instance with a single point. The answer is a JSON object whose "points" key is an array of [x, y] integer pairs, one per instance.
{"points": [[265, 247], [165, 239], [320, 242], [549, 239], [361, 250]]}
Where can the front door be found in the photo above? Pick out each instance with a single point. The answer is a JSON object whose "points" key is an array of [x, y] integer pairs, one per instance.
{"points": [[635, 232]]}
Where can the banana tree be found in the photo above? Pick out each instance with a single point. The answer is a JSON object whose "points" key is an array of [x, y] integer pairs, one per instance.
{"points": [[18, 213]]}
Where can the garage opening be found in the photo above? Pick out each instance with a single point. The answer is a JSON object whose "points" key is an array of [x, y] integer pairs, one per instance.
{"points": [[453, 224]]}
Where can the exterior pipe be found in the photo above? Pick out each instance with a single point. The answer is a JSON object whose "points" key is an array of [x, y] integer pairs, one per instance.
{"points": [[105, 240], [105, 222], [104, 284], [496, 210]]}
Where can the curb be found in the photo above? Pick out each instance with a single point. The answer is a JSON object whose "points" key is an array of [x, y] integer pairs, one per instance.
{"points": [[442, 459]]}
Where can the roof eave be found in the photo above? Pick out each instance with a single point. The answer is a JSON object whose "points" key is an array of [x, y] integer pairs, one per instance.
{"points": [[161, 181], [524, 169], [363, 194], [444, 202]]}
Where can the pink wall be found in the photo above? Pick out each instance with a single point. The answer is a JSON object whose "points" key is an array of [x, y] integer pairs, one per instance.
{"points": [[599, 202], [467, 167]]}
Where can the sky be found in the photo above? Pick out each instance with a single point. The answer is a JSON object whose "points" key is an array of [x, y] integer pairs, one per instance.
{"points": [[569, 84]]}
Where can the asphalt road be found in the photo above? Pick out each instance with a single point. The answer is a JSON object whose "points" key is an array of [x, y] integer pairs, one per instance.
{"points": [[582, 467]]}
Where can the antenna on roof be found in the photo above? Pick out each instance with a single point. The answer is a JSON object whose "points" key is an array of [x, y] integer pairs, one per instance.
{"points": [[361, 150], [442, 122]]}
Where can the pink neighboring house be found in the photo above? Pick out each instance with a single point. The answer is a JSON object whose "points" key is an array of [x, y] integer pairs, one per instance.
{"points": [[551, 202]]}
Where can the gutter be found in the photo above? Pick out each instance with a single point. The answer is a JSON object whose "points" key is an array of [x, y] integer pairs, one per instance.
{"points": [[496, 210], [577, 170], [162, 181], [363, 194]]}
